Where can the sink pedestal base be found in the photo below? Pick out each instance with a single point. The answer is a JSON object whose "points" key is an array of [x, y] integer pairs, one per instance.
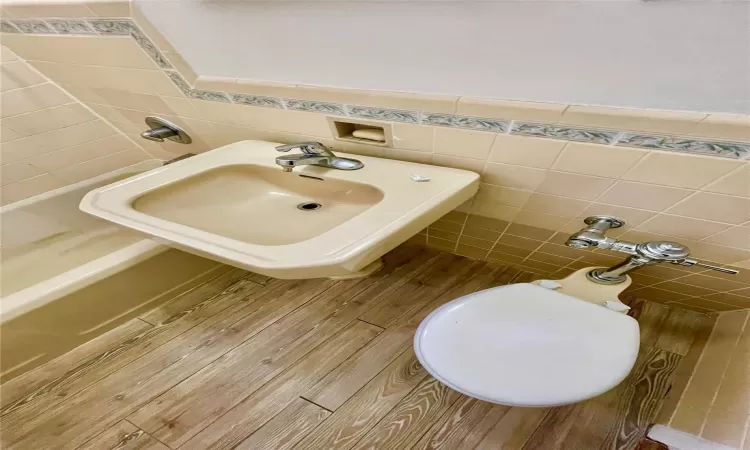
{"points": [[364, 272]]}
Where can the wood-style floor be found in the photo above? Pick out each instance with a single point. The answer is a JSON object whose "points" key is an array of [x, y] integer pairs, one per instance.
{"points": [[248, 362]]}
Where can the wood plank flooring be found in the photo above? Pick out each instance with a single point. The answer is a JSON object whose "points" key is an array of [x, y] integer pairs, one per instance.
{"points": [[248, 362]]}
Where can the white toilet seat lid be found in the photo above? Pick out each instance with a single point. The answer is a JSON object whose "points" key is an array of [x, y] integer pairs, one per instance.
{"points": [[525, 345]]}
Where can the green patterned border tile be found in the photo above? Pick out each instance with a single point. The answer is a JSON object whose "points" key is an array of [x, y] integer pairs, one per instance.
{"points": [[472, 123], [7, 27], [735, 150], [565, 133], [127, 27], [70, 26], [257, 100], [33, 26], [313, 106], [392, 115]]}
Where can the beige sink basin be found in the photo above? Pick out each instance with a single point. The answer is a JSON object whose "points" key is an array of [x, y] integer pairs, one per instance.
{"points": [[235, 205]]}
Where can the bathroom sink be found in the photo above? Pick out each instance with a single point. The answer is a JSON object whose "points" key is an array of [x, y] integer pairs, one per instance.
{"points": [[235, 205]]}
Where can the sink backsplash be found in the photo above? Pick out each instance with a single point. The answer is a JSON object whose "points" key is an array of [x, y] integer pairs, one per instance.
{"points": [[681, 176]]}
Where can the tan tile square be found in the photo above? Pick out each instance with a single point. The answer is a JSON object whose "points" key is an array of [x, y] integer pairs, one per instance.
{"points": [[598, 160], [529, 231], [713, 283], [643, 196], [441, 244], [471, 252], [518, 177], [463, 143], [110, 8], [99, 166], [331, 94], [655, 294], [49, 119], [408, 155], [632, 119], [487, 223], [686, 290], [445, 225], [80, 153], [409, 101], [113, 51], [413, 137], [557, 206], [503, 195], [476, 243], [539, 266], [17, 171], [128, 79], [724, 126], [557, 261], [733, 237], [33, 98], [525, 151], [704, 304], [716, 207], [17, 74], [455, 216], [504, 259], [487, 208], [267, 89], [507, 109], [680, 170], [682, 227], [481, 233], [520, 242], [736, 182], [501, 249], [472, 165], [29, 187], [573, 185], [440, 234], [726, 298]]}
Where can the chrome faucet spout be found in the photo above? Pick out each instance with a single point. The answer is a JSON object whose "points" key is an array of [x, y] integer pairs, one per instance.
{"points": [[316, 154]]}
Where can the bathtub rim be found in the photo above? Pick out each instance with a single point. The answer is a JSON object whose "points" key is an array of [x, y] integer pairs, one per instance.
{"points": [[51, 289]]}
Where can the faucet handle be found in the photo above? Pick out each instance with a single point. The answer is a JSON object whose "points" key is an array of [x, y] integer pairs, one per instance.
{"points": [[310, 148], [694, 262]]}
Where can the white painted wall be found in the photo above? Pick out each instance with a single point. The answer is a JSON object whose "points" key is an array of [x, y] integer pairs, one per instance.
{"points": [[668, 54]]}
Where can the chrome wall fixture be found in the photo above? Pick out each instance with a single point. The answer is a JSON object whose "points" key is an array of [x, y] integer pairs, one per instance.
{"points": [[644, 254], [160, 129]]}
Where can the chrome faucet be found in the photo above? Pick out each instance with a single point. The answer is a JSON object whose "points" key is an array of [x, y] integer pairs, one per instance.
{"points": [[641, 255], [314, 153]]}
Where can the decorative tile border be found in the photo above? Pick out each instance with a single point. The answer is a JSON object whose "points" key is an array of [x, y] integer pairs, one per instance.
{"points": [[127, 27], [565, 133], [472, 123], [736, 150]]}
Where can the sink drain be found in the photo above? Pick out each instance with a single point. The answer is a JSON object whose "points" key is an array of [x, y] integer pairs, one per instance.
{"points": [[309, 206]]}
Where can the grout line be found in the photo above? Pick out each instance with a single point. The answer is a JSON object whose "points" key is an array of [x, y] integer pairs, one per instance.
{"points": [[319, 406]]}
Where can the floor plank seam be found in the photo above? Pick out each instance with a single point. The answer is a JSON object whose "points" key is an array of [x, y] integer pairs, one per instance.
{"points": [[147, 433], [319, 406], [146, 321], [370, 323]]}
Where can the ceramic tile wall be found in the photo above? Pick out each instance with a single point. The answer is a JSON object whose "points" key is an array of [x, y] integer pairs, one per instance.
{"points": [[715, 404], [49, 139], [670, 175]]}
